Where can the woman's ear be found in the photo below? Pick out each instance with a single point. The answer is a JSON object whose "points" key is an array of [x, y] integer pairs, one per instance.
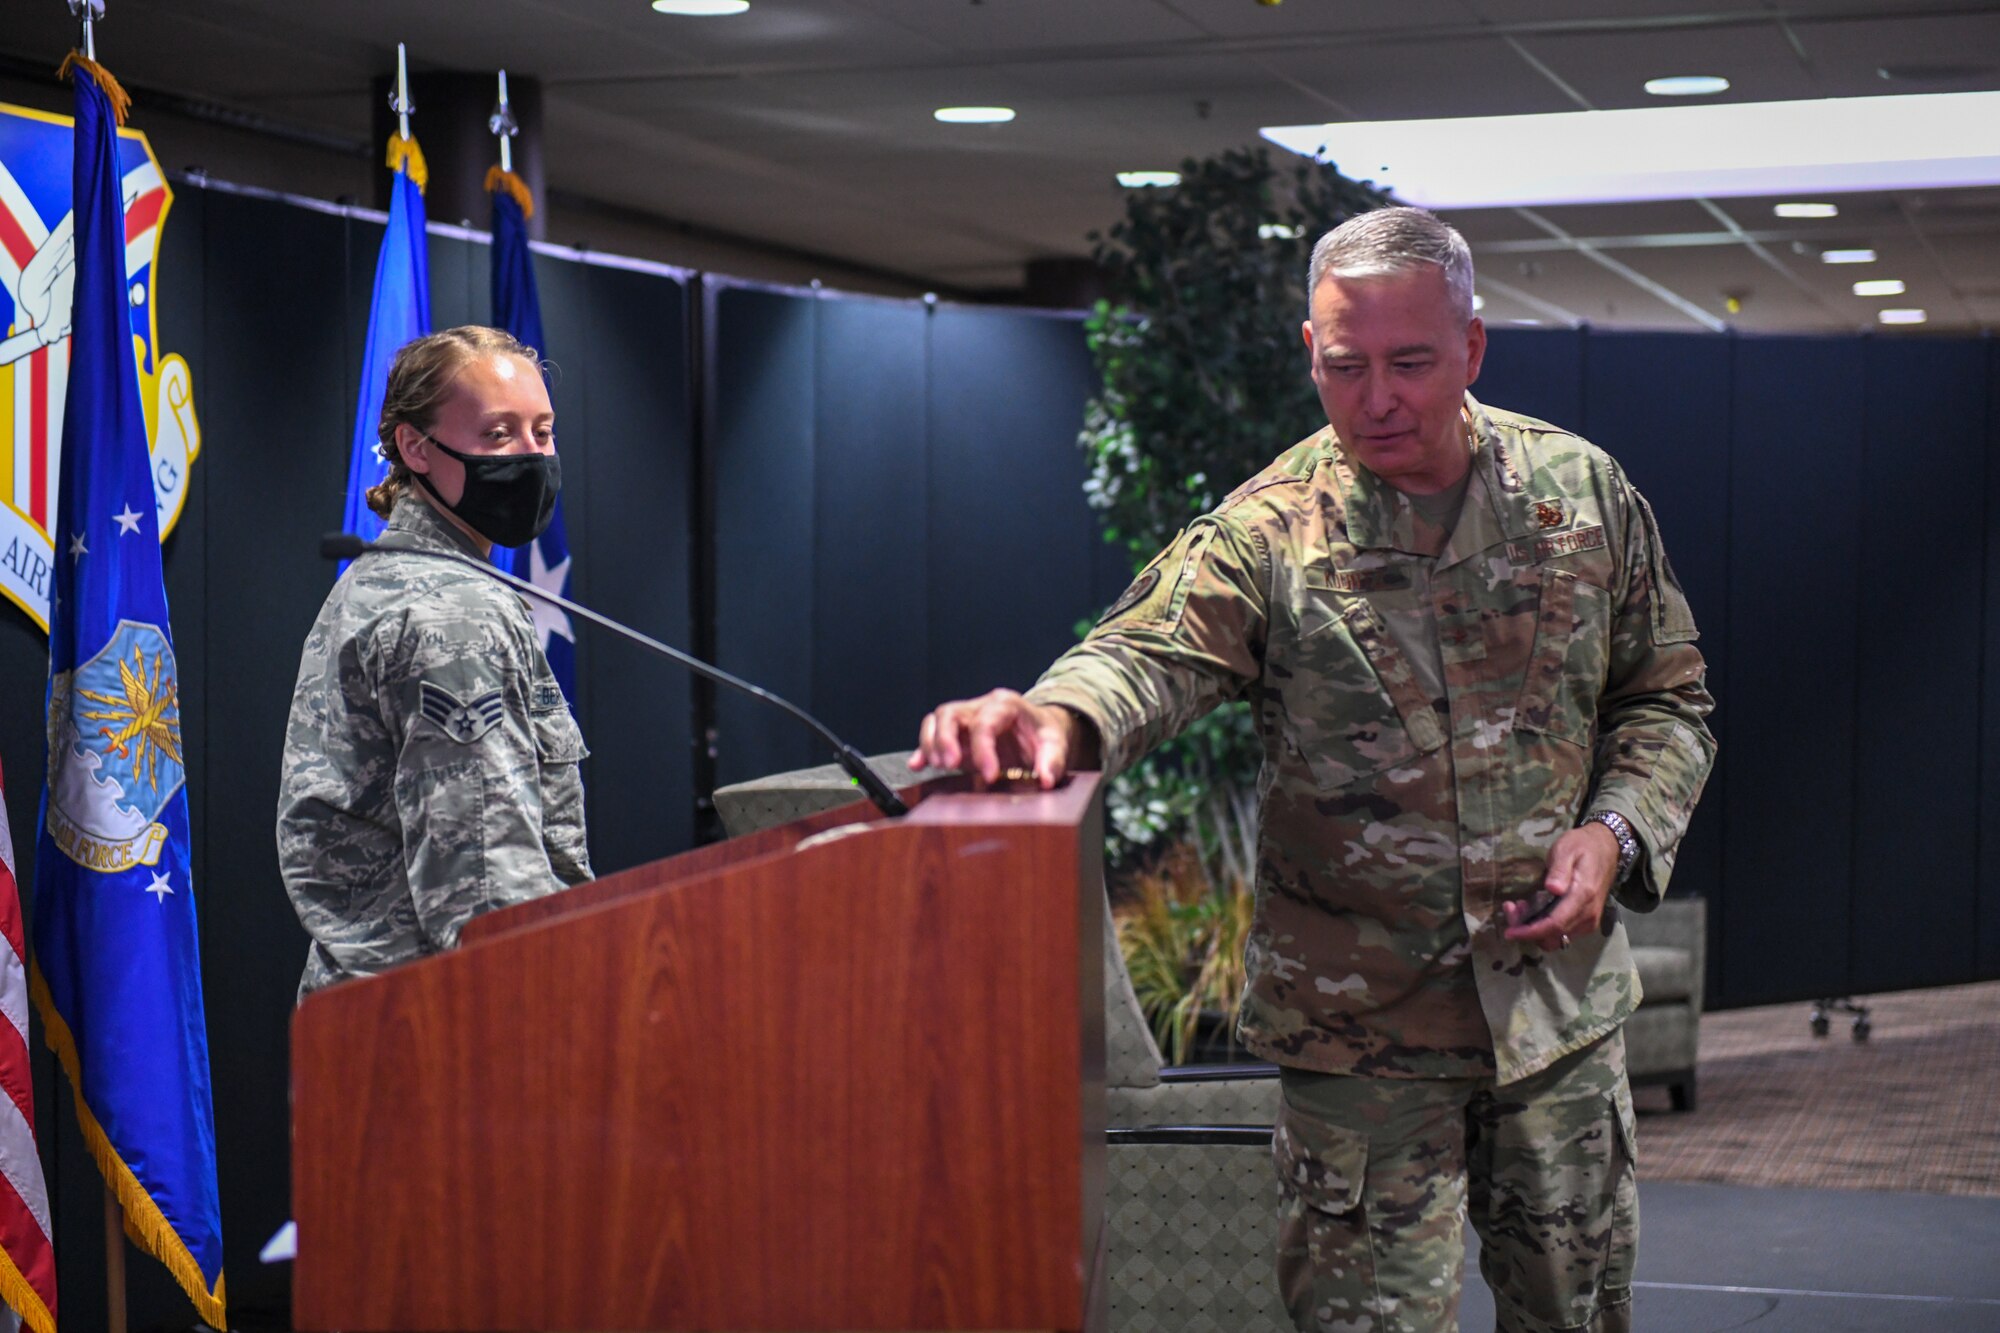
{"points": [[414, 448]]}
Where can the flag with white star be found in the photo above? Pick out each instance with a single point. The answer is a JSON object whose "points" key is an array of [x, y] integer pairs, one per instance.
{"points": [[116, 960], [545, 562]]}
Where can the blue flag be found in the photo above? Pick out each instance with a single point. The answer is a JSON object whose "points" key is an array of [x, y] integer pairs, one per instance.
{"points": [[399, 312], [545, 561], [117, 970]]}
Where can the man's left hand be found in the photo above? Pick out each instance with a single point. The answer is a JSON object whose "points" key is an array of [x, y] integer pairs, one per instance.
{"points": [[1581, 867]]}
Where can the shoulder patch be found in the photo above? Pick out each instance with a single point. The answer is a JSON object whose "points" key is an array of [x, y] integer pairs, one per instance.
{"points": [[1160, 593], [462, 721], [547, 698]]}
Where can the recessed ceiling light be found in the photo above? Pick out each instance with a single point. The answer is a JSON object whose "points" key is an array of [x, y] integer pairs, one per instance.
{"points": [[1687, 85], [1879, 287], [703, 9], [974, 115], [1901, 316], [1133, 180], [1847, 256], [1270, 231], [1807, 210], [1695, 149]]}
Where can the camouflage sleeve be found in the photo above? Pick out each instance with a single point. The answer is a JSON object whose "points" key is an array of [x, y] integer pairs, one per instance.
{"points": [[1653, 750], [1187, 635], [456, 682]]}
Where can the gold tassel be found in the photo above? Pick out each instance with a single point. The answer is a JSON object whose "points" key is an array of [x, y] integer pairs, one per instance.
{"points": [[405, 156], [496, 179], [121, 101], [27, 1302], [144, 1223]]}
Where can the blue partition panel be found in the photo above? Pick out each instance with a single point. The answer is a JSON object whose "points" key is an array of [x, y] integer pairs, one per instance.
{"points": [[1918, 615], [1782, 929], [1659, 403], [761, 441], [1015, 553], [1989, 766], [621, 395], [871, 529], [1538, 372]]}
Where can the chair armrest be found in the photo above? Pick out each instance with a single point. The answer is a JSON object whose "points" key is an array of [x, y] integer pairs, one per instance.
{"points": [[1216, 1073], [1241, 1136]]}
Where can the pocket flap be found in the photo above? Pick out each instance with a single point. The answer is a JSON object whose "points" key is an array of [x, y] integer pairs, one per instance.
{"points": [[1326, 1166]]}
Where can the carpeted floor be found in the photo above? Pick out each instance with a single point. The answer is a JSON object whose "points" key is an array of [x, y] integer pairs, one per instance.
{"points": [[1915, 1107]]}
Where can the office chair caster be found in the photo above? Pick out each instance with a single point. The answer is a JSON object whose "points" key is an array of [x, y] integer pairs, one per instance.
{"points": [[1822, 1011]]}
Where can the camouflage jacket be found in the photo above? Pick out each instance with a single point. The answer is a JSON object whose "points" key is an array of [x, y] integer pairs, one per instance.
{"points": [[430, 768], [1394, 819]]}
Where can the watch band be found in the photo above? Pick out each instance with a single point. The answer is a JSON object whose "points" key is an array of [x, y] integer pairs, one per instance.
{"points": [[1628, 841]]}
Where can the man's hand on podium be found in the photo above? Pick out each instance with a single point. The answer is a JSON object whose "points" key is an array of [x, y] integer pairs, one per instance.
{"points": [[1001, 732]]}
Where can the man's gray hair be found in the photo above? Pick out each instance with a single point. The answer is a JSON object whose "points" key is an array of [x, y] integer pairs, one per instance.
{"points": [[1389, 241]]}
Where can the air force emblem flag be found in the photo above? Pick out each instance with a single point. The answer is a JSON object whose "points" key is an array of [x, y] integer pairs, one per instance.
{"points": [[37, 283], [465, 722]]}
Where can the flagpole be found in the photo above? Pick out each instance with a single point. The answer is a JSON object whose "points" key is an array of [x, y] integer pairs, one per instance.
{"points": [[501, 122], [403, 107], [114, 1262], [87, 12]]}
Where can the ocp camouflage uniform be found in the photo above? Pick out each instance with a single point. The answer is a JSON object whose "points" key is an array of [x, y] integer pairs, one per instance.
{"points": [[430, 768], [1436, 710]]}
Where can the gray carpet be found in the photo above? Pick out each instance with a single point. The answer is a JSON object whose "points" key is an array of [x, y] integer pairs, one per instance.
{"points": [[1716, 1257]]}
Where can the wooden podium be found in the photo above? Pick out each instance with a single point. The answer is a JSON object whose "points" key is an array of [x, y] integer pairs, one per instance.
{"points": [[842, 1074]]}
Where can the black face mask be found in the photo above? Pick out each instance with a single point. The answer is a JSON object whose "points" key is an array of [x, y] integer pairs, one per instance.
{"points": [[509, 498]]}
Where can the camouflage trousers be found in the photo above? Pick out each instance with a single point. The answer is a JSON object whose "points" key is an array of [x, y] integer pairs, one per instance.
{"points": [[1378, 1175]]}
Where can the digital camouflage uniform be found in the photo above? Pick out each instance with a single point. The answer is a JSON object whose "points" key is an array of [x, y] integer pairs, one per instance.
{"points": [[430, 769], [1436, 710]]}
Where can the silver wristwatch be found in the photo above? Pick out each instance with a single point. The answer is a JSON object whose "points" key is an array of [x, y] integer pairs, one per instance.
{"points": [[1628, 841]]}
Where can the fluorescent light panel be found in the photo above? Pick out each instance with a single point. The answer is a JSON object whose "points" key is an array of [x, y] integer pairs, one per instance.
{"points": [[974, 115], [1922, 141], [701, 8], [1133, 180], [1847, 256], [1807, 210], [1687, 85], [1879, 287], [1900, 316]]}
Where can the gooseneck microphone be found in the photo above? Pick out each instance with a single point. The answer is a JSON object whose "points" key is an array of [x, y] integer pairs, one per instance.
{"points": [[346, 546]]}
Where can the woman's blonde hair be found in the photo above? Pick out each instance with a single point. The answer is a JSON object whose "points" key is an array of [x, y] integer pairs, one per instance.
{"points": [[420, 380]]}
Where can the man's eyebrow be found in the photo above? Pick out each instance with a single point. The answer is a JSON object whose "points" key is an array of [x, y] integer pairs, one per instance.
{"points": [[1413, 349]]}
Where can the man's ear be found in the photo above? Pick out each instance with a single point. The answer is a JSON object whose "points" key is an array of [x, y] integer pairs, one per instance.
{"points": [[1475, 349]]}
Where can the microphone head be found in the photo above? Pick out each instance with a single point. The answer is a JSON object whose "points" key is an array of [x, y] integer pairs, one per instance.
{"points": [[341, 546]]}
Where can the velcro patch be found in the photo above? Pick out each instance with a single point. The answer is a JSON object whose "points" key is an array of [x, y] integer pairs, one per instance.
{"points": [[464, 722], [1565, 543], [547, 699], [1367, 580]]}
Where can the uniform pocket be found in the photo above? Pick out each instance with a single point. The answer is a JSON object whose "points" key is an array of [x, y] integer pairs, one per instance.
{"points": [[1322, 1165], [1572, 652], [1352, 704]]}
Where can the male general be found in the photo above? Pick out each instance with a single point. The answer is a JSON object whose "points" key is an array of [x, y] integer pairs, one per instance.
{"points": [[1482, 713]]}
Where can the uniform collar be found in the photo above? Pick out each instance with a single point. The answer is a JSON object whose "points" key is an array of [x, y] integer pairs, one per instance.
{"points": [[1500, 501], [419, 525]]}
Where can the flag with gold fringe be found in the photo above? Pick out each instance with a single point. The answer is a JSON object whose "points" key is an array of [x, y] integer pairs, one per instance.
{"points": [[27, 1250], [399, 312], [517, 308], [116, 969]]}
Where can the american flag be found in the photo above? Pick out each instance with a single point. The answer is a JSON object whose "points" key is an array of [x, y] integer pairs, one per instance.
{"points": [[27, 1258]]}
